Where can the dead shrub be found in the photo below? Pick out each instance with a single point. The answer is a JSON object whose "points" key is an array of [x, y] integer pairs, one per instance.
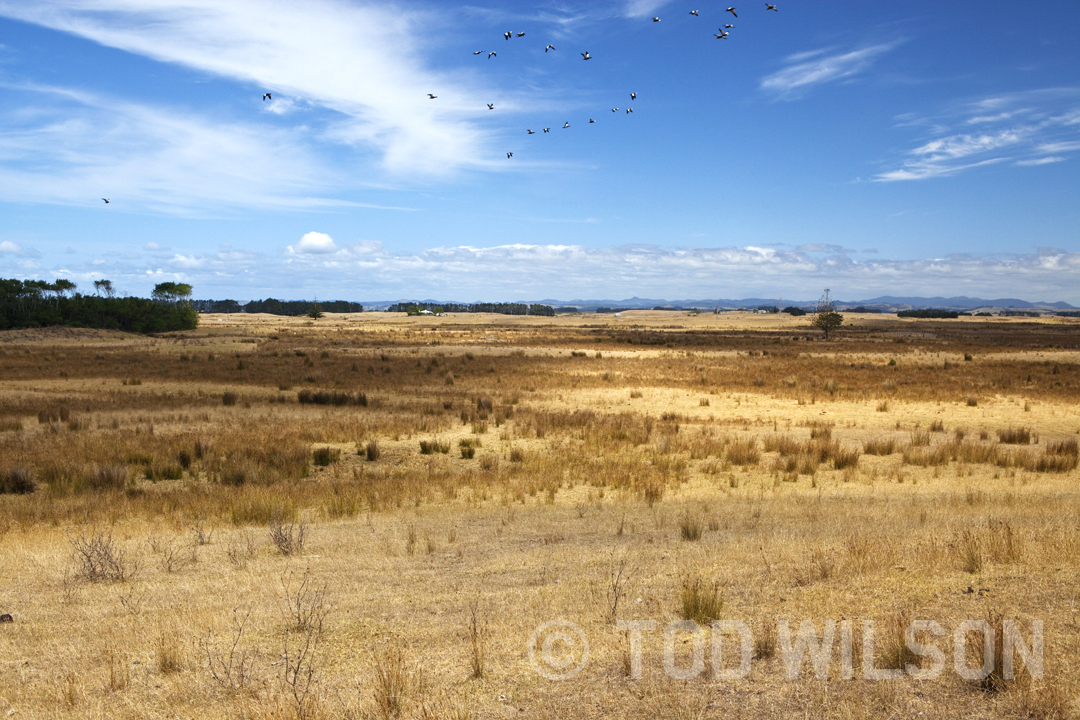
{"points": [[288, 539], [99, 559]]}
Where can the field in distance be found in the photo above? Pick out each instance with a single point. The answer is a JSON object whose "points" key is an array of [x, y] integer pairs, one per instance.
{"points": [[374, 515]]}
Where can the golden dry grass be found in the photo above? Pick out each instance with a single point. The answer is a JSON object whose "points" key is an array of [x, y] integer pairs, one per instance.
{"points": [[595, 470]]}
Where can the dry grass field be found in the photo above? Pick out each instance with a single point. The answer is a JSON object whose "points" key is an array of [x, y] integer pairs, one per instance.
{"points": [[367, 516]]}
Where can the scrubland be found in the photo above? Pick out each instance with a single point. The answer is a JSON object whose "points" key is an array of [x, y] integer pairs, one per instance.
{"points": [[368, 515]]}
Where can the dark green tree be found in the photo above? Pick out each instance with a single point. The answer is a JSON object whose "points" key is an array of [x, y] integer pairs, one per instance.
{"points": [[825, 316]]}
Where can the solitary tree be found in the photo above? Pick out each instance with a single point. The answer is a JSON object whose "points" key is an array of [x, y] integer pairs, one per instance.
{"points": [[171, 292], [104, 286], [825, 316], [315, 312]]}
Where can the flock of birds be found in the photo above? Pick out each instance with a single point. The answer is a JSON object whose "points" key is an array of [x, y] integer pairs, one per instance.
{"points": [[722, 34]]}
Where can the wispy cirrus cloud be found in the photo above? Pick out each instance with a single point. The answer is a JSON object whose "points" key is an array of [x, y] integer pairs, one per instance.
{"points": [[642, 8], [363, 63], [1028, 129], [817, 67]]}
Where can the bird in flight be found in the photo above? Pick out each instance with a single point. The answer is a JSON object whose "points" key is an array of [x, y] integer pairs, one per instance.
{"points": [[694, 13], [508, 34], [566, 125], [722, 36], [490, 106], [614, 109], [531, 132], [492, 54], [656, 19], [509, 155], [549, 47], [106, 200], [478, 52], [586, 55], [732, 11], [521, 34], [547, 129], [729, 26], [432, 96], [591, 120], [771, 7], [629, 110], [633, 96], [266, 96]]}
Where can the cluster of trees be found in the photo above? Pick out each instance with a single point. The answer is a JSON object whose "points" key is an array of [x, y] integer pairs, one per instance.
{"points": [[36, 303], [500, 308], [270, 306], [929, 313]]}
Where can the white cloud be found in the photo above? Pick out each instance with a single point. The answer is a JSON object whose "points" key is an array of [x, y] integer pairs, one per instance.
{"points": [[643, 8], [1040, 161], [84, 147], [1030, 128], [316, 243], [363, 62], [9, 247], [368, 271], [805, 73]]}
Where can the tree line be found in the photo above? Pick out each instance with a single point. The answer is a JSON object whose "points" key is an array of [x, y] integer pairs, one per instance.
{"points": [[37, 303], [499, 308], [270, 306]]}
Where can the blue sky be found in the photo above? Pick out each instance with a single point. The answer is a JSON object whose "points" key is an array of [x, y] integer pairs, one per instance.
{"points": [[916, 148]]}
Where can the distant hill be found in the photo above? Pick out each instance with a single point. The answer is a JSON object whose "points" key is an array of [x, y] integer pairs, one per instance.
{"points": [[885, 303]]}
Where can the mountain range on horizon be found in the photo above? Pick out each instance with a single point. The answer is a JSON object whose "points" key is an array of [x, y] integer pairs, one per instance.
{"points": [[884, 303]]}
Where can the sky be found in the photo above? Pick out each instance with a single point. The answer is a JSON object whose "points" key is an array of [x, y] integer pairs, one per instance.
{"points": [[873, 148]]}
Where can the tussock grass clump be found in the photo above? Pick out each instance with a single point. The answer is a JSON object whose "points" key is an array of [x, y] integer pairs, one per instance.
{"points": [[635, 394], [700, 600], [691, 527], [229, 399], [937, 426], [972, 401], [468, 452], [969, 549], [919, 438], [743, 451], [822, 430], [17, 481], [170, 652], [332, 397], [393, 680], [430, 447], [879, 446], [324, 456], [783, 444], [922, 456], [371, 450], [895, 653], [845, 458], [1015, 436], [111, 477], [164, 470]]}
